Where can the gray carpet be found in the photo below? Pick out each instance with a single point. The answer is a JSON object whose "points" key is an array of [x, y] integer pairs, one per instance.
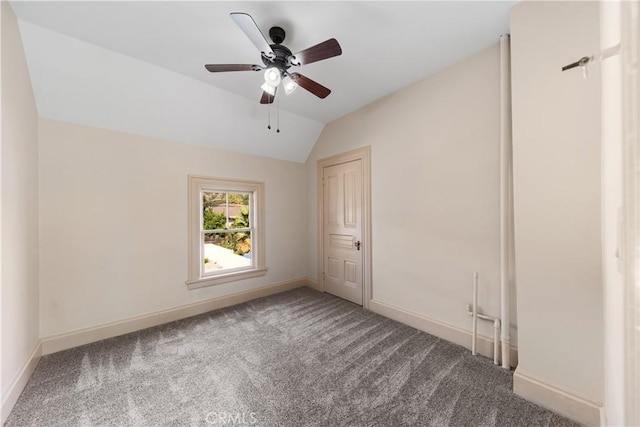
{"points": [[301, 358]]}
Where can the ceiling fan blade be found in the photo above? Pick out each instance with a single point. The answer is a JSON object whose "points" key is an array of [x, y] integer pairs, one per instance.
{"points": [[249, 27], [312, 86], [267, 98], [217, 68], [324, 50]]}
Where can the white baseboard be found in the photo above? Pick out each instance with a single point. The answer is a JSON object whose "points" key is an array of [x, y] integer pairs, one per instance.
{"points": [[557, 400], [11, 395], [313, 284], [484, 345], [80, 337]]}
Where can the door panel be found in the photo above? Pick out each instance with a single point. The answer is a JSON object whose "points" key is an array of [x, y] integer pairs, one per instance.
{"points": [[342, 258], [350, 208]]}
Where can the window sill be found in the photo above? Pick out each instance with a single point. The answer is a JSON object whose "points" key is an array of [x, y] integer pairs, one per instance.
{"points": [[225, 278]]}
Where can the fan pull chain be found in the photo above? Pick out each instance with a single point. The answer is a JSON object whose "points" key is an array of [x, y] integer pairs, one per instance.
{"points": [[278, 115], [269, 114]]}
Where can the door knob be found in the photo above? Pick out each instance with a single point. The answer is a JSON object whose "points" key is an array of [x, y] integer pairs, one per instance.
{"points": [[358, 245]]}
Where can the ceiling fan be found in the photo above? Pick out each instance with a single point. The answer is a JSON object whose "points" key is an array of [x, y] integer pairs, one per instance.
{"points": [[278, 59]]}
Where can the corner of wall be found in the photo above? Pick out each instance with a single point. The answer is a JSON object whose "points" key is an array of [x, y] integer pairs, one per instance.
{"points": [[11, 395], [19, 285]]}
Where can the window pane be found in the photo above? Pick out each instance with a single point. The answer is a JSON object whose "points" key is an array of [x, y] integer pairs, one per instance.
{"points": [[239, 210], [222, 210], [214, 210], [226, 250]]}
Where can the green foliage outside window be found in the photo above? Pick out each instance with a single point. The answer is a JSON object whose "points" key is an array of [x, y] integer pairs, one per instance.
{"points": [[240, 242], [213, 220]]}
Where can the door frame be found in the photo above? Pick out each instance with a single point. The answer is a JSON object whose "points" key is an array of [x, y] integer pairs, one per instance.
{"points": [[630, 30], [363, 154]]}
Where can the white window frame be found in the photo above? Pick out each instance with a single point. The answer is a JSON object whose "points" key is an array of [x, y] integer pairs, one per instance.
{"points": [[196, 186]]}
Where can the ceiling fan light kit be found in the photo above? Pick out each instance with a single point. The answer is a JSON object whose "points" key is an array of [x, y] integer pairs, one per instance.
{"points": [[272, 77], [266, 87], [288, 84], [278, 59]]}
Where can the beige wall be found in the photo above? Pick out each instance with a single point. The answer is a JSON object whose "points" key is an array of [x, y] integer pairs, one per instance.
{"points": [[19, 199], [113, 213], [435, 190], [557, 165]]}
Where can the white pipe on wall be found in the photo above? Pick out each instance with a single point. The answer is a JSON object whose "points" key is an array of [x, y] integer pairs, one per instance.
{"points": [[496, 340], [474, 314], [496, 332], [505, 199]]}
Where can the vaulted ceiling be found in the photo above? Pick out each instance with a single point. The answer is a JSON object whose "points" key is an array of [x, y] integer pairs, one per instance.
{"points": [[138, 67]]}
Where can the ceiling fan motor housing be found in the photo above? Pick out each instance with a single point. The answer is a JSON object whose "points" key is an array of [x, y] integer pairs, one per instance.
{"points": [[281, 61], [277, 34]]}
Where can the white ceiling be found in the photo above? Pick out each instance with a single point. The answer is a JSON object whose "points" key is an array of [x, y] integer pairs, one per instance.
{"points": [[138, 66]]}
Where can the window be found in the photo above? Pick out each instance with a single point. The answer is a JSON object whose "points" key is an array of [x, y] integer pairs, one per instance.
{"points": [[226, 236]]}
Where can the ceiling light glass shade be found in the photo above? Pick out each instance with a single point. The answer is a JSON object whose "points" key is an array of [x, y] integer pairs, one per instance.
{"points": [[272, 77], [271, 90], [289, 85]]}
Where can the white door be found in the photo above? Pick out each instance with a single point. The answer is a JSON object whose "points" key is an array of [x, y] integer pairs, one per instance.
{"points": [[342, 229]]}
